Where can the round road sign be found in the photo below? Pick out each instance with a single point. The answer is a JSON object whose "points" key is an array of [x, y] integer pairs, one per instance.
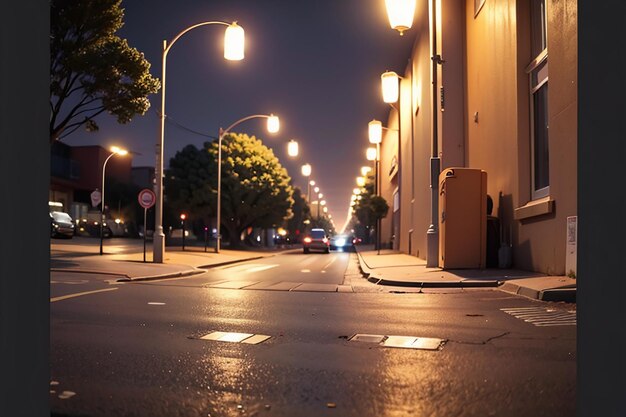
{"points": [[146, 198]]}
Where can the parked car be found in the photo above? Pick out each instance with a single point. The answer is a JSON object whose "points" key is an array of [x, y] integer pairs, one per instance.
{"points": [[316, 240], [61, 225]]}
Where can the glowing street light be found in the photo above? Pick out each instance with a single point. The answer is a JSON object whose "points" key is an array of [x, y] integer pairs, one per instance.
{"points": [[360, 181], [234, 42], [400, 14], [375, 131], [292, 148], [115, 150], [316, 189], [390, 86], [365, 170], [371, 154], [306, 171]]}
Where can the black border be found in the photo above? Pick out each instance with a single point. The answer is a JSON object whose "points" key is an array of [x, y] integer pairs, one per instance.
{"points": [[601, 272], [24, 183]]}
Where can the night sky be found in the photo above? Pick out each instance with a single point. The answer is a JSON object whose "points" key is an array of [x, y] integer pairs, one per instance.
{"points": [[316, 64]]}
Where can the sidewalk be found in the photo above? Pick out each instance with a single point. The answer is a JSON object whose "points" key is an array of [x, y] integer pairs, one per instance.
{"points": [[399, 269], [130, 266]]}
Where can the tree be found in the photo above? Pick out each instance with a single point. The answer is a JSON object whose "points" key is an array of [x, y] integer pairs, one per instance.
{"points": [[93, 70], [301, 212], [256, 190], [370, 208]]}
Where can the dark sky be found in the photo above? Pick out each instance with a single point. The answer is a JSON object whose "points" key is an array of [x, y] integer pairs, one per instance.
{"points": [[314, 63]]}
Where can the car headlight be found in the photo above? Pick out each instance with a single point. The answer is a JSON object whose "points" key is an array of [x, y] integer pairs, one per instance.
{"points": [[340, 242]]}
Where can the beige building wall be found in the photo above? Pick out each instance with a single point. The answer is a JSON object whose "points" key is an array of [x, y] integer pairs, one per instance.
{"points": [[486, 123], [498, 124]]}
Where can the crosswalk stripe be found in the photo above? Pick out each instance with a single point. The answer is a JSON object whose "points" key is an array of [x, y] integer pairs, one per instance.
{"points": [[542, 316]]}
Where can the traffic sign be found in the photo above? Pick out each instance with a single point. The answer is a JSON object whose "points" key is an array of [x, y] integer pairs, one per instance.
{"points": [[146, 198], [96, 198]]}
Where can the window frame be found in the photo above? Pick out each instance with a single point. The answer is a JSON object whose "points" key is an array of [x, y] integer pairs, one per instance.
{"points": [[532, 69]]}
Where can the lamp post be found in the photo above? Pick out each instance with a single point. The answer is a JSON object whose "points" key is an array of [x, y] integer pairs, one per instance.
{"points": [[233, 51], [273, 125], [114, 151], [182, 225], [373, 154]]}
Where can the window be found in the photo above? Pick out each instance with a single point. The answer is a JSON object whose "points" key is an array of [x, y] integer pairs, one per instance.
{"points": [[538, 75]]}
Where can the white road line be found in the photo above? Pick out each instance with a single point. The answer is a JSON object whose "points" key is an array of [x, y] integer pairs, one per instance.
{"points": [[329, 263], [65, 297], [261, 268]]}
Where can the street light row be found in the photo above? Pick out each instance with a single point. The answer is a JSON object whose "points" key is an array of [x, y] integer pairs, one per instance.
{"points": [[306, 171]]}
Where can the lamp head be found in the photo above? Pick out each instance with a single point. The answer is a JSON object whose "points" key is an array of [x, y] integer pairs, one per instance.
{"points": [[273, 124], [375, 131], [400, 14], [389, 82], [234, 40]]}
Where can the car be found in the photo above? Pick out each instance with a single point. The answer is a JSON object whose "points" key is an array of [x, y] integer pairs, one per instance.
{"points": [[341, 243], [316, 240], [61, 225]]}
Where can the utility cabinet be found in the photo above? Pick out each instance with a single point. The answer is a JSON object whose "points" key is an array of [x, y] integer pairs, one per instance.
{"points": [[462, 218]]}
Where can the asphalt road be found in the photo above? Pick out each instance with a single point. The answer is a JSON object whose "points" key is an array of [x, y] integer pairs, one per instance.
{"points": [[137, 350]]}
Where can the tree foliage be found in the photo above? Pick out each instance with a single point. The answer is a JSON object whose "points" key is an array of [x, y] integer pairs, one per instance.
{"points": [[256, 190], [93, 70], [370, 207]]}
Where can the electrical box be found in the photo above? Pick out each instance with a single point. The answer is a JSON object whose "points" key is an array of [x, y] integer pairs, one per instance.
{"points": [[571, 248], [462, 218]]}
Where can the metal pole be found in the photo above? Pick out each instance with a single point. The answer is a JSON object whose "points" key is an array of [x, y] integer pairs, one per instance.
{"points": [[159, 236], [104, 166], [378, 222], [183, 226], [219, 190], [145, 225], [432, 234]]}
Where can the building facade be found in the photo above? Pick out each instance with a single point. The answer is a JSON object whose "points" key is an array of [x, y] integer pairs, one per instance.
{"points": [[506, 103]]}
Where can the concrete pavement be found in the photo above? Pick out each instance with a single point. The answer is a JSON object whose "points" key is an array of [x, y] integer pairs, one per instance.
{"points": [[130, 266], [387, 268], [399, 269]]}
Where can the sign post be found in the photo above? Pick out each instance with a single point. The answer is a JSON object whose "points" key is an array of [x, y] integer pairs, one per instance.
{"points": [[146, 199]]}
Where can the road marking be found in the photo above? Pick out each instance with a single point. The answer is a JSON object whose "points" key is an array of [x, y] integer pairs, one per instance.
{"points": [[80, 281], [261, 268], [542, 316], [156, 303], [329, 263], [305, 270], [65, 297]]}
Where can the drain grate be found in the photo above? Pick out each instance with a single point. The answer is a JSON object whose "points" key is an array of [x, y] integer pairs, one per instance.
{"points": [[543, 316], [406, 342]]}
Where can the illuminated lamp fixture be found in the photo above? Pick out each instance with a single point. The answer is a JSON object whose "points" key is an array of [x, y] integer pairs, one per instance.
{"points": [[389, 82], [234, 40], [375, 131], [400, 14]]}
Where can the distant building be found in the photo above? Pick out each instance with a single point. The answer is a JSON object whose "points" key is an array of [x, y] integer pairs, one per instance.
{"points": [[76, 171]]}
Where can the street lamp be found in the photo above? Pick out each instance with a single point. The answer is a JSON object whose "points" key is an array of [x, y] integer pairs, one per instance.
{"points": [[365, 170], [234, 41], [390, 82], [360, 181], [182, 224], [273, 125], [292, 148], [114, 151], [400, 14], [306, 172]]}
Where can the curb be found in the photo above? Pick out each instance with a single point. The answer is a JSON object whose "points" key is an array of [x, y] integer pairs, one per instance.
{"points": [[567, 295], [431, 284]]}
